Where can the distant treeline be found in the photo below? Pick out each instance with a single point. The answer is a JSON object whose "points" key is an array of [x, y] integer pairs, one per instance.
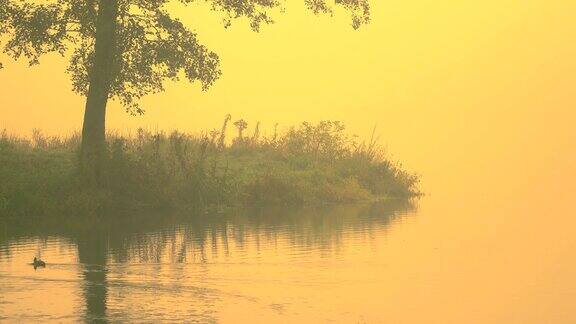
{"points": [[308, 164]]}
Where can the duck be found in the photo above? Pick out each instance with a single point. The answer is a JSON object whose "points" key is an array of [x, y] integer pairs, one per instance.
{"points": [[38, 263]]}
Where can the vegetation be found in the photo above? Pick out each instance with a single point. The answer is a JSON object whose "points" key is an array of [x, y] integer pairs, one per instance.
{"points": [[126, 49], [309, 164]]}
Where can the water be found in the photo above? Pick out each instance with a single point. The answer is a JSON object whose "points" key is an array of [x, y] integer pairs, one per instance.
{"points": [[435, 261], [267, 264]]}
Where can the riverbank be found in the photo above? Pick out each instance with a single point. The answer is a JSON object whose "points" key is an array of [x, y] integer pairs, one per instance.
{"points": [[309, 164]]}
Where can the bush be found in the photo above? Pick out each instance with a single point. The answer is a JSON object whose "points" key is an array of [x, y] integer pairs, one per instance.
{"points": [[308, 164]]}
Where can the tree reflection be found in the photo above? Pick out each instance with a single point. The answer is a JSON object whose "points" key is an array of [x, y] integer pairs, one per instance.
{"points": [[92, 252], [125, 259], [196, 239]]}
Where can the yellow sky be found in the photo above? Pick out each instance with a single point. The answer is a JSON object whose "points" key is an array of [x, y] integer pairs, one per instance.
{"points": [[474, 89]]}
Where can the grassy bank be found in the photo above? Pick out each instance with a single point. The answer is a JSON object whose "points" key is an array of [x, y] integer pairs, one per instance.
{"points": [[308, 164]]}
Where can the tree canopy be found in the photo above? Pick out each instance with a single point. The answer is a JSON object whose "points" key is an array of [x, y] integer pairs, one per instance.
{"points": [[151, 45]]}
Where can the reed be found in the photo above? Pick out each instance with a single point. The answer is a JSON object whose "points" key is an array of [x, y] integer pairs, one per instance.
{"points": [[308, 164]]}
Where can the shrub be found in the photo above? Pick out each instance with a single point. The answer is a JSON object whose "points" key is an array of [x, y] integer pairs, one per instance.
{"points": [[308, 164]]}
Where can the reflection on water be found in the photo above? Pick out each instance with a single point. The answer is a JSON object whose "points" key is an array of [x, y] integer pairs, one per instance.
{"points": [[92, 250], [262, 264]]}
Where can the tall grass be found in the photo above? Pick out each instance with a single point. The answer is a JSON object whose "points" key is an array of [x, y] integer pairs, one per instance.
{"points": [[311, 163]]}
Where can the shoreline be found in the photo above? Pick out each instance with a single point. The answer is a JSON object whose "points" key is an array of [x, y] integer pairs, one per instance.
{"points": [[309, 165]]}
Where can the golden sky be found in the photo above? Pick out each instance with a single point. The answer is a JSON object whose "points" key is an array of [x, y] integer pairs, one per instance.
{"points": [[477, 88]]}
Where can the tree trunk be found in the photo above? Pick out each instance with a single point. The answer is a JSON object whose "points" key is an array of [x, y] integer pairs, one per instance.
{"points": [[93, 150]]}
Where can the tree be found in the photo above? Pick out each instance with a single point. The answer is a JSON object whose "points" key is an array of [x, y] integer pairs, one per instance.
{"points": [[126, 49]]}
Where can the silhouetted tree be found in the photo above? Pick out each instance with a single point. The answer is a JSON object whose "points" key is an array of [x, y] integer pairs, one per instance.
{"points": [[125, 49]]}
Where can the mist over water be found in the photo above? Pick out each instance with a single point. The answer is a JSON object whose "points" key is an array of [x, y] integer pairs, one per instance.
{"points": [[463, 254], [271, 263]]}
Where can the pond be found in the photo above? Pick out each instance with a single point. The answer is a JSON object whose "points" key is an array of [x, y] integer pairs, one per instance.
{"points": [[257, 265], [433, 260]]}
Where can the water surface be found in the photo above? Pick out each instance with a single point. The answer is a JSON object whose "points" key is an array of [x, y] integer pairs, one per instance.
{"points": [[443, 259], [279, 264]]}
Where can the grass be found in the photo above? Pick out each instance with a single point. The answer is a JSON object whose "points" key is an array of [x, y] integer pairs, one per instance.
{"points": [[309, 164]]}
